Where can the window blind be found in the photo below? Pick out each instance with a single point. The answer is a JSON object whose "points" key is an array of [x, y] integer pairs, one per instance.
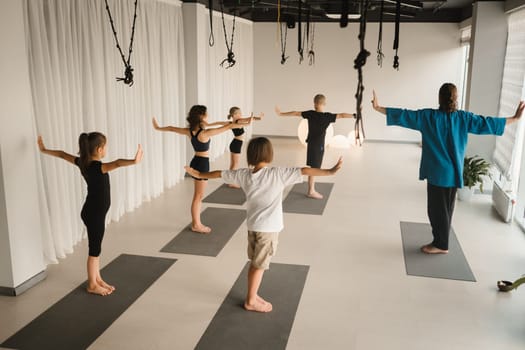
{"points": [[507, 154]]}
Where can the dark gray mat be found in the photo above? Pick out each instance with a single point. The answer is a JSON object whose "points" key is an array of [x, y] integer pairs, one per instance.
{"points": [[234, 328], [297, 202], [453, 266], [223, 222], [79, 318], [226, 195]]}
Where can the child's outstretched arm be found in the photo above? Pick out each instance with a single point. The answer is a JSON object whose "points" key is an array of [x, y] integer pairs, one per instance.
{"points": [[55, 153], [229, 126], [256, 117], [217, 123], [210, 175], [248, 120], [345, 115], [107, 167], [182, 131], [376, 105], [323, 172], [286, 114]]}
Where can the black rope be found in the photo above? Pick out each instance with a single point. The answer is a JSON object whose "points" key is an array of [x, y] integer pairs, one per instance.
{"points": [[283, 43], [211, 40], [231, 56], [306, 35], [359, 62], [343, 22], [128, 72], [311, 53], [299, 31], [380, 54], [396, 35]]}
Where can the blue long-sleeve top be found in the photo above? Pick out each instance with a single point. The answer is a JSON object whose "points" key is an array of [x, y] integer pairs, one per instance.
{"points": [[445, 138]]}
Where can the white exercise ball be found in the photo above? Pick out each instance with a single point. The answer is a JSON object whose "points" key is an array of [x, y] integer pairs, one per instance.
{"points": [[339, 141], [302, 132]]}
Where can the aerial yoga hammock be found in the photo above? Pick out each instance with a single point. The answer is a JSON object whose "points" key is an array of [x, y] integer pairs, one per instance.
{"points": [[128, 72], [359, 62]]}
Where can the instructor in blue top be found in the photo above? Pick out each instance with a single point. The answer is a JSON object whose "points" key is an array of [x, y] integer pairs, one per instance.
{"points": [[444, 132]]}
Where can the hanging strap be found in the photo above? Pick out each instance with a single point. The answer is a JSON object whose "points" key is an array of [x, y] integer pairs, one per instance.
{"points": [[306, 35], [283, 42], [230, 58], [299, 31], [311, 53], [128, 72], [380, 54], [211, 40], [343, 22], [359, 63], [396, 35]]}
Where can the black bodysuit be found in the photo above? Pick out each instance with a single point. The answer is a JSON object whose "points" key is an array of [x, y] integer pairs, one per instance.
{"points": [[96, 206]]}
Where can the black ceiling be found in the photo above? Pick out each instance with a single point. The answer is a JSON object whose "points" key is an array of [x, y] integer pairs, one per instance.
{"points": [[412, 11]]}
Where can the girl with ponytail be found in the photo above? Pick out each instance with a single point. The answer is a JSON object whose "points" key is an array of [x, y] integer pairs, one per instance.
{"points": [[200, 134], [92, 148], [238, 139]]}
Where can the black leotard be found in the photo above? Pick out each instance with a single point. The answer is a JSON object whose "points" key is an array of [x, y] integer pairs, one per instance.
{"points": [[96, 206], [199, 146]]}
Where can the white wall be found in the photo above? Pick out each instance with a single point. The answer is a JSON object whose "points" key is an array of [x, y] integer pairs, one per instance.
{"points": [[20, 226], [429, 56]]}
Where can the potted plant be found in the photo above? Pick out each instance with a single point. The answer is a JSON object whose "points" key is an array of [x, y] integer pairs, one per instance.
{"points": [[474, 168]]}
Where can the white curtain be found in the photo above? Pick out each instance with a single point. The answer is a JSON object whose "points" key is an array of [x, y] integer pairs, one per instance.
{"points": [[507, 154], [233, 86], [73, 64]]}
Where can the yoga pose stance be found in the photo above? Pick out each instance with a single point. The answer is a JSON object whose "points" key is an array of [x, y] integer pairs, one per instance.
{"points": [[263, 186], [92, 148], [238, 138], [318, 122], [200, 138], [444, 132]]}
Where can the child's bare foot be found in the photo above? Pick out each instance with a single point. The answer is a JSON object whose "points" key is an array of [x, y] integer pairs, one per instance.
{"points": [[430, 249], [261, 300], [103, 284], [257, 306], [315, 195], [234, 186], [201, 229], [99, 290]]}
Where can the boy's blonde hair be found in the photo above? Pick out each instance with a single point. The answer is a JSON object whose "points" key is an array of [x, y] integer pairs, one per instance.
{"points": [[260, 150], [318, 99]]}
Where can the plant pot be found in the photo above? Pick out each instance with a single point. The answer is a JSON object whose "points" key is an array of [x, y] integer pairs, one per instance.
{"points": [[465, 194]]}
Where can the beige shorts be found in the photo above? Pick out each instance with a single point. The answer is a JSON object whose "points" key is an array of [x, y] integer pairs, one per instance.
{"points": [[261, 247]]}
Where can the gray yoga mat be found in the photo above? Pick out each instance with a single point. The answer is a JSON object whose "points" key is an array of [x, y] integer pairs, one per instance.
{"points": [[226, 195], [297, 202], [234, 328], [79, 318], [223, 222], [452, 266]]}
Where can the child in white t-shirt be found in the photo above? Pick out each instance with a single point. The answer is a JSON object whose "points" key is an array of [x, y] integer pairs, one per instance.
{"points": [[263, 186]]}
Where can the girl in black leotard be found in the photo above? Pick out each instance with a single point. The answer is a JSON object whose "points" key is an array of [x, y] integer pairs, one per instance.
{"points": [[238, 139], [200, 140], [92, 149]]}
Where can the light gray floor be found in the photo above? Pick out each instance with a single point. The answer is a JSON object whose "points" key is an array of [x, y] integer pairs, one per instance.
{"points": [[357, 294]]}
